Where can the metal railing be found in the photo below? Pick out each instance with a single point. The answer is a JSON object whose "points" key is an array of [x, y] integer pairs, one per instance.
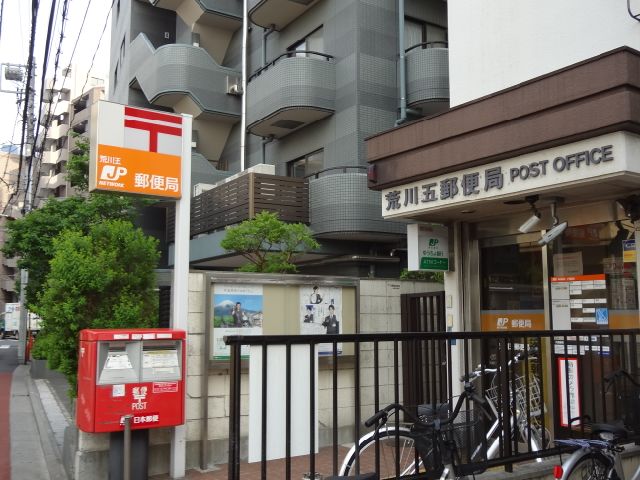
{"points": [[289, 54], [435, 44], [543, 385]]}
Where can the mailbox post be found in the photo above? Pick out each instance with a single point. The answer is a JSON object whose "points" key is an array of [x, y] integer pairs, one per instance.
{"points": [[130, 372]]}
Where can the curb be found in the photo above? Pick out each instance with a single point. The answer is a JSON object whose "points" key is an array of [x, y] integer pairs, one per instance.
{"points": [[52, 455]]}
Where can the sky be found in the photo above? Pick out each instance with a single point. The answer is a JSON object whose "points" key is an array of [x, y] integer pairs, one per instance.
{"points": [[14, 47]]}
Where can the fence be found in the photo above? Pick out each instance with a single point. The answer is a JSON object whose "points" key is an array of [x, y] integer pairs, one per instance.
{"points": [[305, 408], [242, 198]]}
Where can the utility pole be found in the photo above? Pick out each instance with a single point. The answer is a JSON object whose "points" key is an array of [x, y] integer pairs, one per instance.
{"points": [[16, 73]]}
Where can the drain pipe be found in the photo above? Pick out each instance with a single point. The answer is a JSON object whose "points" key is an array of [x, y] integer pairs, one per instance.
{"points": [[266, 140], [243, 113], [266, 32], [402, 65]]}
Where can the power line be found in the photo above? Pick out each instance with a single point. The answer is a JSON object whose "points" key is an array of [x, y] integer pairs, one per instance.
{"points": [[35, 4], [39, 151], [104, 28], [73, 52], [1, 17]]}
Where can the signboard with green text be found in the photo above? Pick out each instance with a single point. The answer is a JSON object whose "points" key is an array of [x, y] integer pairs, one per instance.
{"points": [[428, 247]]}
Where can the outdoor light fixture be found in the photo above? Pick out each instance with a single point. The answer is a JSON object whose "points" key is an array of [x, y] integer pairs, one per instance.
{"points": [[534, 219], [556, 229], [631, 207]]}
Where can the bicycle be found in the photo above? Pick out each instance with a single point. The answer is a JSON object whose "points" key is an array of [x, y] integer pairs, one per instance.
{"points": [[525, 407], [598, 458], [527, 392], [431, 447]]}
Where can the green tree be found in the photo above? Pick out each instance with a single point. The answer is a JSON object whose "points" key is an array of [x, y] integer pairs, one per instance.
{"points": [[78, 164], [269, 244], [31, 237], [102, 279]]}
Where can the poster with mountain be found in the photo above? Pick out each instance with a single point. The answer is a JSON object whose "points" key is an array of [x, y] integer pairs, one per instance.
{"points": [[237, 310]]}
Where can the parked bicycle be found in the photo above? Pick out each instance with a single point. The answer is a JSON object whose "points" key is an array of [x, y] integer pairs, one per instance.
{"points": [[433, 446], [599, 458], [526, 408], [407, 440]]}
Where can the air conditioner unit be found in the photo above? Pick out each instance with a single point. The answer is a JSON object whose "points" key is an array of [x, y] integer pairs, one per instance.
{"points": [[234, 89]]}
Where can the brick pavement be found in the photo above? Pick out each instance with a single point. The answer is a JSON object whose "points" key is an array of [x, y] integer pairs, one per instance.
{"points": [[275, 468]]}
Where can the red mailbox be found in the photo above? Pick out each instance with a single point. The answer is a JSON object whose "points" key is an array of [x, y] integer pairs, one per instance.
{"points": [[137, 372]]}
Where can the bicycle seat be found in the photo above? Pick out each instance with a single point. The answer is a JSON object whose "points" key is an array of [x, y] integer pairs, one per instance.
{"points": [[440, 410], [617, 429]]}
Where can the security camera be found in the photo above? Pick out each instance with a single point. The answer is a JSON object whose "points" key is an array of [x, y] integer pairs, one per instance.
{"points": [[631, 207], [530, 224], [552, 234]]}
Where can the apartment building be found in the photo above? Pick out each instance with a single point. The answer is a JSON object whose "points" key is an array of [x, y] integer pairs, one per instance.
{"points": [[64, 120], [281, 110], [9, 162]]}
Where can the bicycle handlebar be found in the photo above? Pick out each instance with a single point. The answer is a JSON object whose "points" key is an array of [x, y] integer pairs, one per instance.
{"points": [[518, 357], [620, 373], [469, 392]]}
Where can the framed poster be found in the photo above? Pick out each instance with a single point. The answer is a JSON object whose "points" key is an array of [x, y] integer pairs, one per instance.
{"points": [[237, 310], [321, 313]]}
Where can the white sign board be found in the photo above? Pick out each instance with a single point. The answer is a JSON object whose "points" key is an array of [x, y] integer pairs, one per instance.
{"points": [[428, 247], [586, 160]]}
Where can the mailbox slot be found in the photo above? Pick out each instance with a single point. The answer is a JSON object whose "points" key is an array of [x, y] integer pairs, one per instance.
{"points": [[161, 360], [118, 362]]}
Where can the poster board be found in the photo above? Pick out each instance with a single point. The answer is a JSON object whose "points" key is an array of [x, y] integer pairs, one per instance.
{"points": [[279, 308]]}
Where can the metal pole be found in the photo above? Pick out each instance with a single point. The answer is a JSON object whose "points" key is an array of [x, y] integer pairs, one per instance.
{"points": [[180, 287], [24, 274], [126, 474]]}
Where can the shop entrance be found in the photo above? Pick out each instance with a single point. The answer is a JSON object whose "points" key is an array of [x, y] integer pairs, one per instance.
{"points": [[586, 279]]}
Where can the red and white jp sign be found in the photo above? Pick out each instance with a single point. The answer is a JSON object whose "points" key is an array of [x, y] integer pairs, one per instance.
{"points": [[137, 151]]}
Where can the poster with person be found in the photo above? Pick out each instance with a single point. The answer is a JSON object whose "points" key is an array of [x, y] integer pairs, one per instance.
{"points": [[321, 313], [237, 310]]}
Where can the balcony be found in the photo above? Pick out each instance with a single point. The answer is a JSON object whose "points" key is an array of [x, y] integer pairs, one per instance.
{"points": [[57, 131], [52, 182], [428, 77], [343, 208], [242, 197], [53, 157], [186, 79], [80, 116], [278, 13], [290, 93], [9, 285], [225, 14], [61, 107]]}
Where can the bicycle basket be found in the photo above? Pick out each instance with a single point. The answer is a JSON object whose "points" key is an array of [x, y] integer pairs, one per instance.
{"points": [[461, 443], [521, 395]]}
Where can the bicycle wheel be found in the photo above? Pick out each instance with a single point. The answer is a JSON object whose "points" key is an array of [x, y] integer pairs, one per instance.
{"points": [[394, 450], [593, 466]]}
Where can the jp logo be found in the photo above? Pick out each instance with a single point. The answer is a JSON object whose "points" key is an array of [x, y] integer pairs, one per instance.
{"points": [[112, 172], [501, 323], [433, 242]]}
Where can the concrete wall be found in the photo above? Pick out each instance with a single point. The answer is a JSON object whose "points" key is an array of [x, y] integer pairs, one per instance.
{"points": [[379, 312]]}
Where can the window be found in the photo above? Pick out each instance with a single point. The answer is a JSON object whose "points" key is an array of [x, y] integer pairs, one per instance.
{"points": [[418, 31], [122, 49], [307, 165], [312, 42]]}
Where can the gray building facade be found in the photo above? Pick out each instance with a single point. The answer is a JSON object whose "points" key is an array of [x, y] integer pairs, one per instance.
{"points": [[321, 76]]}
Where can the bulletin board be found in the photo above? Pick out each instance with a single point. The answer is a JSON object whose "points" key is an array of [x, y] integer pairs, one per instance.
{"points": [[295, 305]]}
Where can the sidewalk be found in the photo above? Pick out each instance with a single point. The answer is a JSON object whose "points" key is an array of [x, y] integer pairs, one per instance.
{"points": [[35, 450]]}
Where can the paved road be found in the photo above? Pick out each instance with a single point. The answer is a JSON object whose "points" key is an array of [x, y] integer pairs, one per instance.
{"points": [[8, 363]]}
